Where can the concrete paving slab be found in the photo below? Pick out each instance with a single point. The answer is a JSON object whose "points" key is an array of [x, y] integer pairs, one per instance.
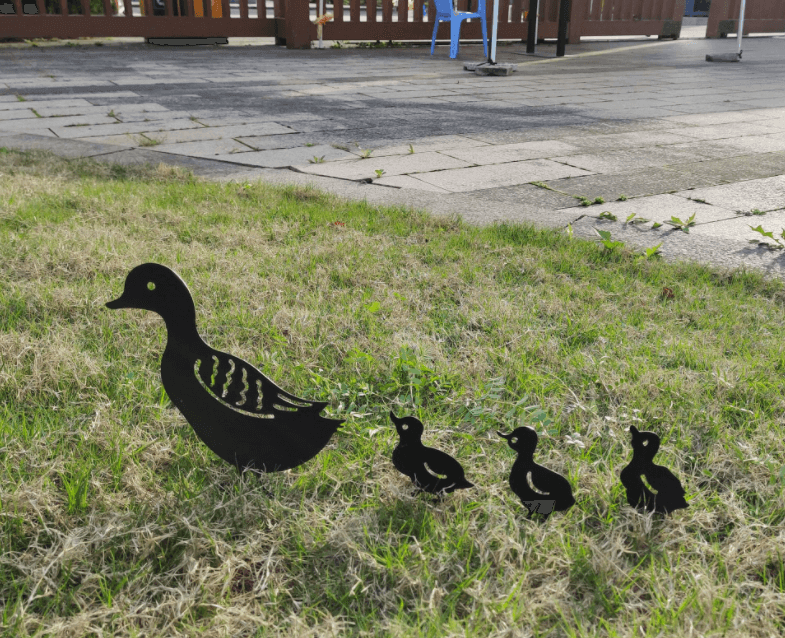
{"points": [[130, 157], [210, 148], [35, 104], [130, 140], [529, 196], [757, 143], [118, 128], [288, 157], [64, 148], [503, 153], [90, 97], [475, 209], [425, 145], [408, 181], [60, 111], [660, 208], [624, 161], [714, 119], [620, 141], [156, 116], [8, 98], [741, 228], [499, 175], [74, 121], [762, 194], [201, 133], [652, 181], [294, 140], [719, 132], [391, 165], [17, 114]]}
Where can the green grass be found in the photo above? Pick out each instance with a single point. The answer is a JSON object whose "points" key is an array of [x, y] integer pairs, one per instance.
{"points": [[113, 514]]}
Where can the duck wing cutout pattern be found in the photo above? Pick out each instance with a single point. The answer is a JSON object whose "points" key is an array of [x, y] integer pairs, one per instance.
{"points": [[542, 491], [237, 411], [430, 470], [668, 494]]}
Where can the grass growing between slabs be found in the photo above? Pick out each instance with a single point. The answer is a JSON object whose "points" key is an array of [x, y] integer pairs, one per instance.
{"points": [[116, 520]]}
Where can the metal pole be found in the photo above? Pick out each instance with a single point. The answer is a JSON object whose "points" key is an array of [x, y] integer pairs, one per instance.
{"points": [[741, 26], [318, 15], [564, 18], [531, 37], [492, 58]]}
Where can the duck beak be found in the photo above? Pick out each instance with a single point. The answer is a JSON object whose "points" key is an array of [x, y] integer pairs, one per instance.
{"points": [[118, 303], [394, 418]]}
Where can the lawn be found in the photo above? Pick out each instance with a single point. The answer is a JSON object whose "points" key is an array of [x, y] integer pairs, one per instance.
{"points": [[116, 520]]}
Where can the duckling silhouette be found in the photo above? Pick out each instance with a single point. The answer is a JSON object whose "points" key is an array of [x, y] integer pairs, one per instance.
{"points": [[423, 464], [669, 492], [555, 493], [239, 413]]}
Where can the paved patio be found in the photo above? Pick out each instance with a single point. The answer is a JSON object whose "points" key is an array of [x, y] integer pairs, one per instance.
{"points": [[648, 126]]}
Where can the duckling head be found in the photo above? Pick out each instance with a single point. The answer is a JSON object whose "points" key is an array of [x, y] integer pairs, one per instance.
{"points": [[409, 428], [523, 439], [644, 444], [159, 289]]}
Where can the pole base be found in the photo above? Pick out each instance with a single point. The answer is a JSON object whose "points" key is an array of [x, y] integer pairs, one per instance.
{"points": [[488, 68], [723, 57]]}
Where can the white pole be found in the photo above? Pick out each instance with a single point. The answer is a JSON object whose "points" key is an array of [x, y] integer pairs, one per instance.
{"points": [[321, 13], [536, 25], [495, 28], [741, 26]]}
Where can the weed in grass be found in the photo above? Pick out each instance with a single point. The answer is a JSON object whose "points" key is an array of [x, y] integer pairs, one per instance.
{"points": [[606, 241], [149, 141], [621, 198], [656, 225], [608, 215], [476, 329], [309, 144], [20, 98], [36, 113], [366, 153], [111, 114], [598, 200], [316, 160], [411, 149], [765, 233], [632, 218]]}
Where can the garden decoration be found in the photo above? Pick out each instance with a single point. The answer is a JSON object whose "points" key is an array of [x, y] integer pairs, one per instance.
{"points": [[431, 470], [239, 413], [669, 494], [552, 492]]}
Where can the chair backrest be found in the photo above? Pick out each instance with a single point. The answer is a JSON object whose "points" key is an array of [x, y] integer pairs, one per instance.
{"points": [[445, 7]]}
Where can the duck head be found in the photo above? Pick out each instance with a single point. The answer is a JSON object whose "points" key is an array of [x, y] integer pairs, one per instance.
{"points": [[159, 289], [523, 439], [409, 428], [644, 444]]}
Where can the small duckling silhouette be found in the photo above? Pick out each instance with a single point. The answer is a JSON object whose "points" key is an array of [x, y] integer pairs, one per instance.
{"points": [[669, 494], [239, 413], [550, 492], [425, 465]]}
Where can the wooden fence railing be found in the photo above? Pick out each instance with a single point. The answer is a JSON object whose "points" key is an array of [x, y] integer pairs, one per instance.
{"points": [[75, 18], [358, 20], [760, 16]]}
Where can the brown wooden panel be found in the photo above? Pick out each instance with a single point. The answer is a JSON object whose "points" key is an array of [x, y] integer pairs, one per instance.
{"points": [[244, 8], [406, 31], [55, 26], [618, 9], [607, 10], [596, 8], [207, 8], [517, 11], [370, 13], [337, 10], [226, 13], [387, 7], [129, 10], [504, 11], [39, 4], [17, 8], [403, 11], [418, 10], [638, 27], [86, 8], [168, 10], [354, 10]]}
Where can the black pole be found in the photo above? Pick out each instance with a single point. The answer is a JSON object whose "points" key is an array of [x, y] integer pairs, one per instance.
{"points": [[564, 18], [532, 35]]}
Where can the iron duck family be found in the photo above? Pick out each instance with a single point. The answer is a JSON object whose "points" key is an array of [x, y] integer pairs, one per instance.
{"points": [[669, 494], [238, 412], [552, 492], [431, 470]]}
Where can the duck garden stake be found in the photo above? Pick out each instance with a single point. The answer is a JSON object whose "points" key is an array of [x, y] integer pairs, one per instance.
{"points": [[239, 413], [552, 492], [669, 492], [431, 470]]}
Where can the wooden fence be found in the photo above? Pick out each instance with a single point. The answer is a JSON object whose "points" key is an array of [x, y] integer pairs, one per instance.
{"points": [[367, 20], [760, 16]]}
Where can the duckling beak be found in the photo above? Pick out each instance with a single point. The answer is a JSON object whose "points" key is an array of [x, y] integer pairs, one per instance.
{"points": [[118, 303]]}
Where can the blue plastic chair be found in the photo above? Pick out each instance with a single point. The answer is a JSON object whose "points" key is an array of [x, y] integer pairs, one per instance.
{"points": [[445, 13]]}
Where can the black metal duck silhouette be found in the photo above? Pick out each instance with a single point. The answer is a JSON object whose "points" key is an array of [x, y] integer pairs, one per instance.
{"points": [[431, 470], [239, 413], [551, 491], [669, 494]]}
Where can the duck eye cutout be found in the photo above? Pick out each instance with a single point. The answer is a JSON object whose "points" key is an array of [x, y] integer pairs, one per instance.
{"points": [[404, 427], [150, 285], [514, 440], [646, 442]]}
